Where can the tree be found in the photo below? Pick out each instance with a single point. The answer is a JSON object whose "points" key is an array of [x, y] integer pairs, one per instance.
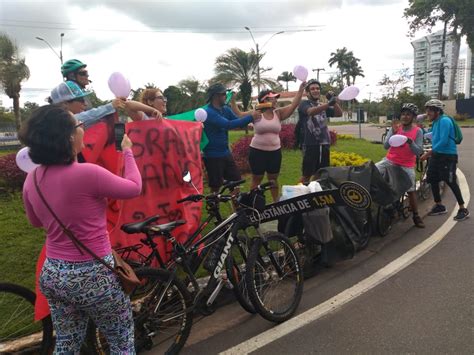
{"points": [[28, 108], [286, 77], [457, 18], [137, 93], [194, 91], [13, 70], [237, 67], [393, 84], [348, 66], [456, 13]]}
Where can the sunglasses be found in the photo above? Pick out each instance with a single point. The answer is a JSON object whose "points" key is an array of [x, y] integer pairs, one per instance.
{"points": [[83, 73], [79, 99], [161, 98], [80, 124]]}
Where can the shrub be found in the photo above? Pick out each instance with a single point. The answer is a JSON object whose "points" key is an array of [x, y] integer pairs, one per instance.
{"points": [[461, 116], [287, 136], [346, 159], [240, 152], [333, 135], [345, 136], [11, 177]]}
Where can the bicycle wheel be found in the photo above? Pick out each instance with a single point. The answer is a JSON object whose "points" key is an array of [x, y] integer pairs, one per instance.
{"points": [[162, 312], [274, 277], [364, 222], [384, 220], [404, 207], [235, 267], [17, 321]]}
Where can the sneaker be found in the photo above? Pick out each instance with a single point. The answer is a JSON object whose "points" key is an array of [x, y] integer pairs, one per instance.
{"points": [[437, 210], [463, 213], [418, 221]]}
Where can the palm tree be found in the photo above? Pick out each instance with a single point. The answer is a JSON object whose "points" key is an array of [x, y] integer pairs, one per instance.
{"points": [[286, 77], [341, 58], [13, 71], [237, 67], [355, 70]]}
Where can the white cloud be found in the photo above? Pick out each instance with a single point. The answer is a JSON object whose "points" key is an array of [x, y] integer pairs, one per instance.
{"points": [[166, 41]]}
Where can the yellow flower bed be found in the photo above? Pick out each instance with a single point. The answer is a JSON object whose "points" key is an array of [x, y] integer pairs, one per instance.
{"points": [[345, 136], [347, 159]]}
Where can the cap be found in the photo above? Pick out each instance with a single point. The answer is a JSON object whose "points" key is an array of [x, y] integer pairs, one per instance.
{"points": [[216, 88], [267, 94], [67, 91]]}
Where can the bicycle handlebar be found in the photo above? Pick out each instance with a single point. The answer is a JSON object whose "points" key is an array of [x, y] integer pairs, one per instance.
{"points": [[231, 185], [194, 198]]}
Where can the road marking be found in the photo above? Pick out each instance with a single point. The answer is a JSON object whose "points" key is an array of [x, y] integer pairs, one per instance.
{"points": [[358, 289]]}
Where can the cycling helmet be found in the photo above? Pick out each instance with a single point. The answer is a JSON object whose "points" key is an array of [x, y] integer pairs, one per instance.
{"points": [[435, 103], [71, 66], [311, 82], [410, 107]]}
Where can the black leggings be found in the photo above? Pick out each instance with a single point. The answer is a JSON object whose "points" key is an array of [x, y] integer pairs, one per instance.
{"points": [[442, 167]]}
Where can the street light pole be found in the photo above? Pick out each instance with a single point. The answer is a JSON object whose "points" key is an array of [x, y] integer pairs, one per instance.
{"points": [[258, 53], [61, 49], [45, 41]]}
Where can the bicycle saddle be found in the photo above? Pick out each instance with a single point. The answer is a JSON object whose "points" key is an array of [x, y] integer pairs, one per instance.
{"points": [[137, 227], [167, 227]]}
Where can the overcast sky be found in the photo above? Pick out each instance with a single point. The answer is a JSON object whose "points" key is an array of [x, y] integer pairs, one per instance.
{"points": [[164, 42]]}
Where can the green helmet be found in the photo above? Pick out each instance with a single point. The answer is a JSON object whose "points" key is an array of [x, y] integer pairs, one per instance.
{"points": [[71, 66]]}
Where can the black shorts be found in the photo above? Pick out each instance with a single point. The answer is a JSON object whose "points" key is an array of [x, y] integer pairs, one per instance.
{"points": [[262, 161], [442, 167], [315, 157], [220, 169]]}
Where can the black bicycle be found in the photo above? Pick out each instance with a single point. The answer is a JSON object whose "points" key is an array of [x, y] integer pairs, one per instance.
{"points": [[19, 333]]}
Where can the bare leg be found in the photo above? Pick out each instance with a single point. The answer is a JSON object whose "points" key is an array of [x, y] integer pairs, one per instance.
{"points": [[256, 180], [275, 190]]}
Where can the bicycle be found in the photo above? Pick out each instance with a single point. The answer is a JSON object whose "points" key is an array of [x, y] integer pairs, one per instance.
{"points": [[384, 134], [17, 321], [386, 215]]}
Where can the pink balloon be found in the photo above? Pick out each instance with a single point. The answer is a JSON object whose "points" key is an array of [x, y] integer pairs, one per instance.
{"points": [[300, 72], [200, 115], [119, 85], [349, 93], [397, 140], [23, 160]]}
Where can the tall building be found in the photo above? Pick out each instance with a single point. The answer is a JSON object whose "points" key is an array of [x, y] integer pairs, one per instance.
{"points": [[459, 80], [428, 61], [469, 88]]}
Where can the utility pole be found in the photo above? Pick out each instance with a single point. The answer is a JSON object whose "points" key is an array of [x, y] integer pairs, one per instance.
{"points": [[317, 70], [61, 49], [441, 68]]}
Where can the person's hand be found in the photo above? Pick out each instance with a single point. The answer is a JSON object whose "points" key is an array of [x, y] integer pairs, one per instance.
{"points": [[409, 141], [395, 126], [126, 142], [303, 85], [156, 115], [118, 103], [332, 101], [425, 156], [256, 115]]}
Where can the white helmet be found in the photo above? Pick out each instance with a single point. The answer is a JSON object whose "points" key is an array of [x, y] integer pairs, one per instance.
{"points": [[435, 103]]}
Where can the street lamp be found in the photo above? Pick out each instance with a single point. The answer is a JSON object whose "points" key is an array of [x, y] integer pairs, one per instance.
{"points": [[60, 56], [258, 53]]}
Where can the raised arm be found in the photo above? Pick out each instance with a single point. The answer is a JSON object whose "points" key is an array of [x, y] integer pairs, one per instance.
{"points": [[93, 115], [287, 111], [236, 110], [218, 120], [136, 110]]}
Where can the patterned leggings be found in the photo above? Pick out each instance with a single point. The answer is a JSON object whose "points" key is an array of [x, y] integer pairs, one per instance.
{"points": [[77, 291]]}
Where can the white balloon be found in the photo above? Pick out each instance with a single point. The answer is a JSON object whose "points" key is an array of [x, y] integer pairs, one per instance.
{"points": [[200, 115], [119, 85], [300, 72], [397, 140], [23, 160], [349, 93]]}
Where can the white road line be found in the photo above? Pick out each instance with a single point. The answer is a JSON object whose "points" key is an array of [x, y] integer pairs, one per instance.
{"points": [[358, 289]]}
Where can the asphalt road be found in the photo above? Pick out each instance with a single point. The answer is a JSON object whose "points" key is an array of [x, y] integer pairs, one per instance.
{"points": [[425, 308]]}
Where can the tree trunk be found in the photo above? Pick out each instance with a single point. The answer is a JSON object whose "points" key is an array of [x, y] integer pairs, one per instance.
{"points": [[16, 110], [455, 61]]}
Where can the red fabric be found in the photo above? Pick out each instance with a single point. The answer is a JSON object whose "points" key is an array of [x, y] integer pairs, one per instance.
{"points": [[162, 150], [403, 155]]}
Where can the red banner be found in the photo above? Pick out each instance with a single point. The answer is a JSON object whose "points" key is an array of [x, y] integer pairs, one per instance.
{"points": [[163, 150]]}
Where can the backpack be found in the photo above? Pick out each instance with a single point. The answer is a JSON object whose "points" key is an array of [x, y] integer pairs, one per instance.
{"points": [[457, 131]]}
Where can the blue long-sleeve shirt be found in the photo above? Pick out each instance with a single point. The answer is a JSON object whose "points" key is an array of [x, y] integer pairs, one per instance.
{"points": [[217, 125], [443, 136], [93, 115]]}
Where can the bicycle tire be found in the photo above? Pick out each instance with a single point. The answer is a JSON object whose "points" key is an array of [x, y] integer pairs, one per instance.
{"points": [[384, 136], [236, 272], [405, 207], [365, 229], [149, 316], [384, 220], [23, 301], [268, 254]]}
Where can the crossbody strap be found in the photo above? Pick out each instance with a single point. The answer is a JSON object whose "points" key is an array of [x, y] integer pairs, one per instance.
{"points": [[67, 231]]}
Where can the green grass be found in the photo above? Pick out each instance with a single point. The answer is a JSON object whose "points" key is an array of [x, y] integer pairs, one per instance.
{"points": [[6, 152], [21, 243]]}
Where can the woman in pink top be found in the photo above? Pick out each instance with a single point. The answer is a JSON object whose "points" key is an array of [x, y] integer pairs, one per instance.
{"points": [[77, 286], [265, 147]]}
